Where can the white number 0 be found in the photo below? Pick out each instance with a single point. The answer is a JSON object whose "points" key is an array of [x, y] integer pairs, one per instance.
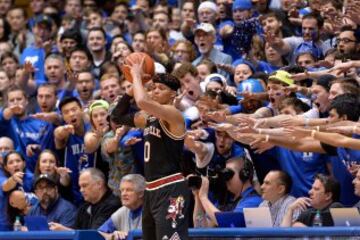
{"points": [[147, 152]]}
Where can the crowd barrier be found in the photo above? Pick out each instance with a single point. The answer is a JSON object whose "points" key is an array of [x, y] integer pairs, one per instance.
{"points": [[210, 233]]}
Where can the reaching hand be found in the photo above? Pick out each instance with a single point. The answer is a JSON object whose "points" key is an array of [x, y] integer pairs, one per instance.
{"points": [[63, 171], [132, 141], [347, 130], [17, 109], [226, 67], [217, 116], [223, 127], [120, 132], [297, 132], [69, 129], [29, 68], [18, 177], [32, 149], [178, 99]]}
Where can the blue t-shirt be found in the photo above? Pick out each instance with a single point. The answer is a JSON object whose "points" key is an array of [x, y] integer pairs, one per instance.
{"points": [[250, 199], [28, 131], [37, 57], [341, 160], [302, 168]]}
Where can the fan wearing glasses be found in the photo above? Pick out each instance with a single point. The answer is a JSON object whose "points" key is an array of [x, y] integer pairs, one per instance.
{"points": [[347, 41]]}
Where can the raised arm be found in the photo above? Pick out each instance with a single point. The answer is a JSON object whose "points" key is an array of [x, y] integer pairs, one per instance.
{"points": [[167, 113]]}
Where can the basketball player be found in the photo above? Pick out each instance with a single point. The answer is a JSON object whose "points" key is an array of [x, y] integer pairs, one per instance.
{"points": [[166, 197]]}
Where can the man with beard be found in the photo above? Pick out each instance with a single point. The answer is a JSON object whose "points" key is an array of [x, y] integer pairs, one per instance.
{"points": [[96, 43], [51, 205], [205, 38]]}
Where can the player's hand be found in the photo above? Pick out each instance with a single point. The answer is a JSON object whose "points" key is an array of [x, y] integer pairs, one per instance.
{"points": [[32, 149]]}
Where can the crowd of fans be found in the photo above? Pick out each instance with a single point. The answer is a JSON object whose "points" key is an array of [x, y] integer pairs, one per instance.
{"points": [[269, 94]]}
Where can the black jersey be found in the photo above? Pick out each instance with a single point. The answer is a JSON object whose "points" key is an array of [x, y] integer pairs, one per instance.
{"points": [[163, 151]]}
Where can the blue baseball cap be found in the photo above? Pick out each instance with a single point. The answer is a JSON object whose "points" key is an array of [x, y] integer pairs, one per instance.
{"points": [[242, 5]]}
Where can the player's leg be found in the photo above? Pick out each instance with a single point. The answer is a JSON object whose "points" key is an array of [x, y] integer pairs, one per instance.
{"points": [[172, 217], [148, 222]]}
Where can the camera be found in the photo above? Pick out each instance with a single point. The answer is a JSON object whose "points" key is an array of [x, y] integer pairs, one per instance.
{"points": [[217, 176]]}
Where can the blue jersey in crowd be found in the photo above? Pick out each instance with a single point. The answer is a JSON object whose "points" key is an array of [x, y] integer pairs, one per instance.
{"points": [[76, 160], [28, 131]]}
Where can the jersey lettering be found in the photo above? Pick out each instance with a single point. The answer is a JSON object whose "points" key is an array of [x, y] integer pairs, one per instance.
{"points": [[152, 131]]}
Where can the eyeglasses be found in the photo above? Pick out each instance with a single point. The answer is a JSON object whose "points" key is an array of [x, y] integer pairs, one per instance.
{"points": [[344, 40]]}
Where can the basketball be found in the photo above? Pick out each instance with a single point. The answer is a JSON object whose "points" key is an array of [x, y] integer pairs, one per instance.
{"points": [[148, 67]]}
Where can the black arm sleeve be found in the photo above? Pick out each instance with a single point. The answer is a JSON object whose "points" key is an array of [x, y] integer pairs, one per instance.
{"points": [[120, 114]]}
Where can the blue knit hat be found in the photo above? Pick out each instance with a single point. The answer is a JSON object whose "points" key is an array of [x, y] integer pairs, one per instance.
{"points": [[242, 5]]}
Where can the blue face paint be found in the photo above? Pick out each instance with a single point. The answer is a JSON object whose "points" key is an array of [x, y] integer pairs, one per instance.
{"points": [[314, 35]]}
